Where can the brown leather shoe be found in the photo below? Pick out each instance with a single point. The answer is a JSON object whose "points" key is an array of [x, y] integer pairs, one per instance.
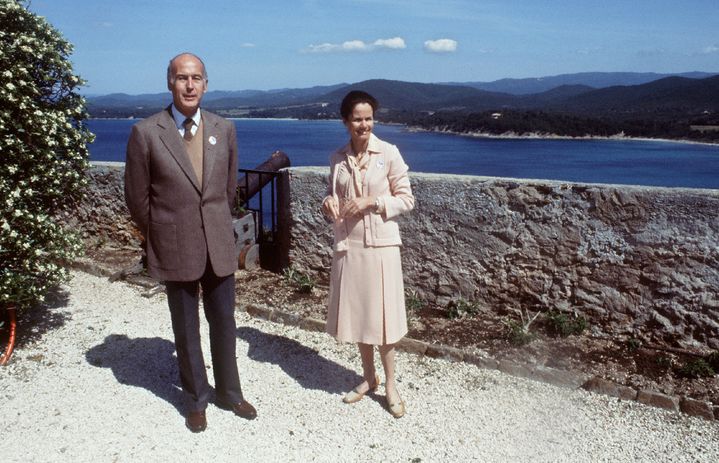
{"points": [[196, 421], [242, 409]]}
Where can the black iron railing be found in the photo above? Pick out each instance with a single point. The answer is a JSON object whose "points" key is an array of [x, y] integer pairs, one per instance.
{"points": [[265, 190], [265, 208]]}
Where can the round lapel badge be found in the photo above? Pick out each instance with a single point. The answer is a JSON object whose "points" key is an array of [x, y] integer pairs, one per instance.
{"points": [[212, 140]]}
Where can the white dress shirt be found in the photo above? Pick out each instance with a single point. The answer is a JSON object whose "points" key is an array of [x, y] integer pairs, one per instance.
{"points": [[180, 120]]}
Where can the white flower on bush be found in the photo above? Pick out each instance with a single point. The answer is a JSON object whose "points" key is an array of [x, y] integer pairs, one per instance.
{"points": [[44, 154]]}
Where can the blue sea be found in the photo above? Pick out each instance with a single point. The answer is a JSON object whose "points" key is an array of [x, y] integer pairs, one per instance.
{"points": [[309, 143]]}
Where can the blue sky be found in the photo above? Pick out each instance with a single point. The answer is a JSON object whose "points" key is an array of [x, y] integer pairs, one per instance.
{"points": [[124, 45]]}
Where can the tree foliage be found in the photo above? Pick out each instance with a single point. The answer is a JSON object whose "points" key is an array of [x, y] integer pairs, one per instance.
{"points": [[43, 145], [543, 123]]}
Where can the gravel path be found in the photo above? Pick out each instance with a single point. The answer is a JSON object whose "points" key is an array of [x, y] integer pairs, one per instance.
{"points": [[99, 383]]}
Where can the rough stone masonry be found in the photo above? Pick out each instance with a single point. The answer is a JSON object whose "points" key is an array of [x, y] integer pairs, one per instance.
{"points": [[636, 261]]}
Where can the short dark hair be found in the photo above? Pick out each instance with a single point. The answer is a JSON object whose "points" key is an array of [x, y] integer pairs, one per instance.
{"points": [[354, 98]]}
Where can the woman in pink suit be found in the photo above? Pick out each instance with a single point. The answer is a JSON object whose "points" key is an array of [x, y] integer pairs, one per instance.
{"points": [[368, 188]]}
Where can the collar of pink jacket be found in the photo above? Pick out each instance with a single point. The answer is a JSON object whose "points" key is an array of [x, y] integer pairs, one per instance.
{"points": [[372, 146]]}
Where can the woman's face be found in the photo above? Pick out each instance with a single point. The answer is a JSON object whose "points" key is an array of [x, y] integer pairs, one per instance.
{"points": [[359, 123]]}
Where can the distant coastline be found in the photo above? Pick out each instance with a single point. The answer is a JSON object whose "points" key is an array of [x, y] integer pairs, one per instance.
{"points": [[471, 134], [263, 119], [131, 118], [114, 118], [550, 136], [308, 142]]}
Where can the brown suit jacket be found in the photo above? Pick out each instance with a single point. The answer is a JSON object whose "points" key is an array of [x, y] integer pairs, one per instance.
{"points": [[182, 222]]}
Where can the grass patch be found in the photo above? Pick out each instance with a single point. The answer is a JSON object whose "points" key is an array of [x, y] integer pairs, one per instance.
{"points": [[518, 333], [564, 325], [461, 308], [633, 344], [412, 301], [697, 368], [301, 281], [664, 362], [713, 360]]}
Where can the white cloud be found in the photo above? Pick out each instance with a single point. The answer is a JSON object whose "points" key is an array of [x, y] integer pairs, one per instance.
{"points": [[395, 43], [321, 48], [441, 46], [351, 45], [354, 45], [248, 45], [710, 49]]}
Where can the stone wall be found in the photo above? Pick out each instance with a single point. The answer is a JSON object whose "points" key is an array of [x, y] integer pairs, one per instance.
{"points": [[102, 216], [634, 260]]}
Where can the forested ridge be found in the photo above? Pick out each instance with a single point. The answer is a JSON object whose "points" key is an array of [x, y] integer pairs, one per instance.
{"points": [[524, 123], [663, 108]]}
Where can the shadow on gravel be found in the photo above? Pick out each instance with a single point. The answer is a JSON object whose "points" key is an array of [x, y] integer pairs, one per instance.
{"points": [[33, 324], [148, 363], [305, 365]]}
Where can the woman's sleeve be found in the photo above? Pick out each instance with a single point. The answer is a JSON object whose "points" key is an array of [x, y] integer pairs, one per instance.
{"points": [[402, 199], [330, 180]]}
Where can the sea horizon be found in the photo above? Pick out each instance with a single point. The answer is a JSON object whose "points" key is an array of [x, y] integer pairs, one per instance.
{"points": [[411, 128], [604, 160]]}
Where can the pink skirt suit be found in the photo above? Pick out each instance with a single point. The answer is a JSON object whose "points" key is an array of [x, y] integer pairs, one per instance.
{"points": [[366, 299]]}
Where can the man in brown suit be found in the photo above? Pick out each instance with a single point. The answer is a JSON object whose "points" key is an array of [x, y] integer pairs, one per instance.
{"points": [[180, 180]]}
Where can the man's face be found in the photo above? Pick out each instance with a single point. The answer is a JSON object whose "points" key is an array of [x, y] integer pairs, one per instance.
{"points": [[187, 84]]}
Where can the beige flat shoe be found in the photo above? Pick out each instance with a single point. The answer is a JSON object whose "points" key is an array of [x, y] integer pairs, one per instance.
{"points": [[396, 409], [355, 396]]}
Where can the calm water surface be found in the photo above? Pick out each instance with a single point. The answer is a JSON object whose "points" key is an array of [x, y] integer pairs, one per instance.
{"points": [[309, 143]]}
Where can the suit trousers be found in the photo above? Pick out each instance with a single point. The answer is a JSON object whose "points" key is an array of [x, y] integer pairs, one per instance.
{"points": [[218, 297]]}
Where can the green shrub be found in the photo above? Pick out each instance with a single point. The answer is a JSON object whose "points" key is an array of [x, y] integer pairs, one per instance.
{"points": [[461, 308], [412, 301], [44, 155], [564, 325], [713, 360], [664, 362], [633, 344], [304, 283], [696, 368], [517, 334]]}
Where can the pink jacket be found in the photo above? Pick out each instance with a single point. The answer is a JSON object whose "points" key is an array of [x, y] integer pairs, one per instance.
{"points": [[386, 178]]}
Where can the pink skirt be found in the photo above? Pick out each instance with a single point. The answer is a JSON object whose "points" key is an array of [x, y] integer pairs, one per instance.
{"points": [[366, 300]]}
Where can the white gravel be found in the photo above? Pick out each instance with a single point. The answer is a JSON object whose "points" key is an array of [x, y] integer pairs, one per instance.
{"points": [[99, 383]]}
